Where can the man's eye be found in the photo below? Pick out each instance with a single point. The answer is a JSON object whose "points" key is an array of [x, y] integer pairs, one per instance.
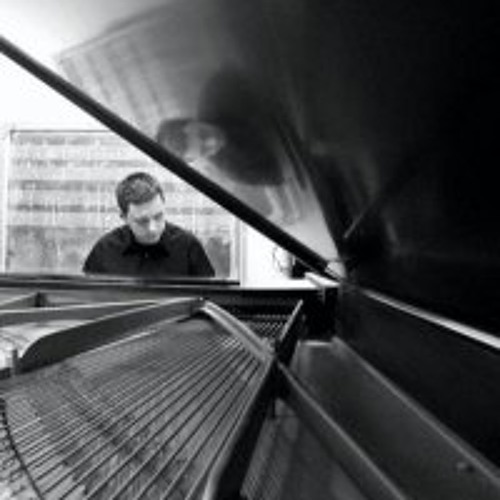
{"points": [[145, 222]]}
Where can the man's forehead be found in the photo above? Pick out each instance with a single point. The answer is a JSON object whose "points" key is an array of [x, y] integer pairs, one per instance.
{"points": [[148, 208]]}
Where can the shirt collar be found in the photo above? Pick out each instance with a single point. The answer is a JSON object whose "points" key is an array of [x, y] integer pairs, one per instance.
{"points": [[132, 246]]}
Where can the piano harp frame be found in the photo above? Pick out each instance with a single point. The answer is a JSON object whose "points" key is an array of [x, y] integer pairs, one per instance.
{"points": [[102, 325], [295, 408]]}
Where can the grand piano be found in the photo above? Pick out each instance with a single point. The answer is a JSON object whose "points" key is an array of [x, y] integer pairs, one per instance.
{"points": [[359, 137]]}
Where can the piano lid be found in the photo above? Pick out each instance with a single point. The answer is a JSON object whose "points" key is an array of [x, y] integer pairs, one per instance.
{"points": [[352, 133]]}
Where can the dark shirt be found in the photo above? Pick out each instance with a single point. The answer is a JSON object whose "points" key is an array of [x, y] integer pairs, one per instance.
{"points": [[178, 253]]}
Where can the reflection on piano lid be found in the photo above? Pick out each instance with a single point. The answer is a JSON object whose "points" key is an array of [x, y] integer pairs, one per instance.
{"points": [[357, 137]]}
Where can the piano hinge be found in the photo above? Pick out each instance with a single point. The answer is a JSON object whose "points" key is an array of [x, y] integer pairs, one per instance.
{"points": [[335, 269]]}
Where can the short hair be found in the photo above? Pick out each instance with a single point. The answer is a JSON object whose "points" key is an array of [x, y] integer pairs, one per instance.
{"points": [[137, 188]]}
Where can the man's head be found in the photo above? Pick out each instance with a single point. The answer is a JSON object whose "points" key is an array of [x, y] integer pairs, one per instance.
{"points": [[142, 206], [191, 139]]}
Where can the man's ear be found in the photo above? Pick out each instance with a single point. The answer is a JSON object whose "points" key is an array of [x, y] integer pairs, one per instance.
{"points": [[215, 141]]}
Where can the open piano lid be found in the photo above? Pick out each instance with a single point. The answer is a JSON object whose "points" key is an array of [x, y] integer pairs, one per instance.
{"points": [[357, 136]]}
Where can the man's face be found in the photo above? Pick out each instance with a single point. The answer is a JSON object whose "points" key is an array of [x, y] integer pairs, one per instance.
{"points": [[147, 220], [202, 141]]}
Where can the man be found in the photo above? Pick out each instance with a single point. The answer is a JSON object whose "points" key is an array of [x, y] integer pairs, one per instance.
{"points": [[146, 245]]}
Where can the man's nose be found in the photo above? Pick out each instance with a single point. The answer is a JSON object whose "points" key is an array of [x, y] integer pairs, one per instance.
{"points": [[153, 226]]}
